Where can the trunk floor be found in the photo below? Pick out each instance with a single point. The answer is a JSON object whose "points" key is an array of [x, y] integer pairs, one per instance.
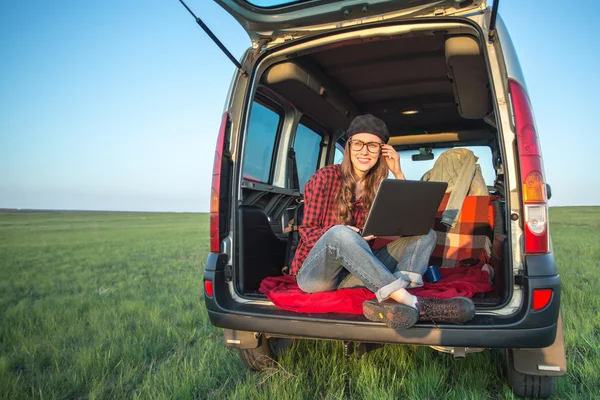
{"points": [[480, 299]]}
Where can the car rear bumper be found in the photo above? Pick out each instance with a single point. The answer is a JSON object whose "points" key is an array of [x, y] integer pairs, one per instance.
{"points": [[524, 329], [457, 337]]}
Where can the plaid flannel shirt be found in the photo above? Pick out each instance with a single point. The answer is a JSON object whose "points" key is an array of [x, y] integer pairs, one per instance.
{"points": [[321, 195]]}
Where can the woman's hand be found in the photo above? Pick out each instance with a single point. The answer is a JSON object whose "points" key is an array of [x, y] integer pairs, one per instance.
{"points": [[392, 158], [355, 229]]}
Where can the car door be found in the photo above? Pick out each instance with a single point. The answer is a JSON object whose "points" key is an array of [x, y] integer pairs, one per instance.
{"points": [[273, 21]]}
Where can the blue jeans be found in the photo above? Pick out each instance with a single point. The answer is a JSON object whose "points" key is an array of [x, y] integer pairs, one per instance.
{"points": [[341, 258]]}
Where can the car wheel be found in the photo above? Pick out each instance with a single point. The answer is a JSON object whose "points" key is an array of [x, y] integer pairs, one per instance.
{"points": [[523, 385], [268, 351]]}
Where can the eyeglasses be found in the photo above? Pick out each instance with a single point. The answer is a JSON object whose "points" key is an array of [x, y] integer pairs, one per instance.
{"points": [[372, 147]]}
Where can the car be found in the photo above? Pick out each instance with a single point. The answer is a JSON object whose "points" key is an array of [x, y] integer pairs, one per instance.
{"points": [[442, 74]]}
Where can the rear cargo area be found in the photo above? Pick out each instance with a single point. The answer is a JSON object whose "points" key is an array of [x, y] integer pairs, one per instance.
{"points": [[430, 86]]}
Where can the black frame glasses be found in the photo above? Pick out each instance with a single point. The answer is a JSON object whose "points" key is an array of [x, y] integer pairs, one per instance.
{"points": [[372, 147]]}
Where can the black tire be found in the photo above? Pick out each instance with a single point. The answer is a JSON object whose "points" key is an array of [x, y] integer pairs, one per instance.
{"points": [[268, 351], [523, 385]]}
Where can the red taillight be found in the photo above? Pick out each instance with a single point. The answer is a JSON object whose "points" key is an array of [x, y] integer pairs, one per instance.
{"points": [[208, 288], [541, 298], [535, 202], [215, 237]]}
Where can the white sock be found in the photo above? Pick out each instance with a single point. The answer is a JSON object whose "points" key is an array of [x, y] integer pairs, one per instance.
{"points": [[414, 302]]}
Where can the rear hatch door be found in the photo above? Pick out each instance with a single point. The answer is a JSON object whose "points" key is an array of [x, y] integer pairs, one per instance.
{"points": [[277, 20]]}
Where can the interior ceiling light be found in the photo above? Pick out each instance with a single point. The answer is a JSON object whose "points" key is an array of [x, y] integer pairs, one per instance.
{"points": [[410, 111]]}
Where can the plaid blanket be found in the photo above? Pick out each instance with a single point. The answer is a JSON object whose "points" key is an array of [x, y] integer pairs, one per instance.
{"points": [[469, 242]]}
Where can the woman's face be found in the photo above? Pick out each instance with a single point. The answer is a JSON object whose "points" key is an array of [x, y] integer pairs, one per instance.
{"points": [[363, 160]]}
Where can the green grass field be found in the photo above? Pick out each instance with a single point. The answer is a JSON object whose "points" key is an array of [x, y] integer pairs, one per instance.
{"points": [[110, 305]]}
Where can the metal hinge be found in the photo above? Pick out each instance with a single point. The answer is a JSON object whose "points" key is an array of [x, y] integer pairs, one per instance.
{"points": [[519, 279], [258, 46]]}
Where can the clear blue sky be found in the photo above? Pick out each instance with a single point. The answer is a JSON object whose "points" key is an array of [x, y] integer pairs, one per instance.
{"points": [[115, 105]]}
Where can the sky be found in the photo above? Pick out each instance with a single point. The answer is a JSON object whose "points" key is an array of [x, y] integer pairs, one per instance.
{"points": [[116, 104]]}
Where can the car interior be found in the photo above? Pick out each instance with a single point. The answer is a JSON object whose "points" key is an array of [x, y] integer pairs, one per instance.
{"points": [[430, 87]]}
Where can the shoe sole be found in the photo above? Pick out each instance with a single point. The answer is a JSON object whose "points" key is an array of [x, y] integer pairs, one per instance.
{"points": [[396, 316]]}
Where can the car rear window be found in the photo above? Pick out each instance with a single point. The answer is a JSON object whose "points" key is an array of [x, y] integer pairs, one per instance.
{"points": [[307, 145], [273, 3], [415, 170], [260, 143]]}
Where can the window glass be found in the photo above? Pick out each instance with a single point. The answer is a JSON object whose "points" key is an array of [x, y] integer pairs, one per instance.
{"points": [[307, 145], [272, 3], [415, 170], [339, 154], [262, 135]]}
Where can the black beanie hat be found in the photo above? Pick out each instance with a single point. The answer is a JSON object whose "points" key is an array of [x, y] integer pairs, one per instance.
{"points": [[368, 124]]}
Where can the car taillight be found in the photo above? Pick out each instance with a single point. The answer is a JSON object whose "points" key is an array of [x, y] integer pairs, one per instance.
{"points": [[535, 202], [208, 288], [541, 298], [215, 190]]}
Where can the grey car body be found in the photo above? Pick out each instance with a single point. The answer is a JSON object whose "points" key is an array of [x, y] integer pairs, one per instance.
{"points": [[532, 338]]}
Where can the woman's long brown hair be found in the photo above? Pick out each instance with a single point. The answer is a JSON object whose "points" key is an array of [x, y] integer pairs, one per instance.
{"points": [[371, 183]]}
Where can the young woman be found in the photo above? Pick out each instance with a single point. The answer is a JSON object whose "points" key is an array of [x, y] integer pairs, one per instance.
{"points": [[332, 254]]}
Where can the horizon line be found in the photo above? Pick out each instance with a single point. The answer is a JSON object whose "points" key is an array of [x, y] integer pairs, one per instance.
{"points": [[48, 210]]}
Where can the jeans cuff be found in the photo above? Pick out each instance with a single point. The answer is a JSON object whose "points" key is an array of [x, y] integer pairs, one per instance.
{"points": [[449, 217], [405, 279]]}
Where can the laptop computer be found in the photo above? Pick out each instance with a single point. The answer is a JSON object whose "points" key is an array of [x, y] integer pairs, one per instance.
{"points": [[404, 208]]}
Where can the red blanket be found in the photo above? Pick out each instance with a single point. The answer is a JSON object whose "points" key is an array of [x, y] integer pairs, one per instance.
{"points": [[285, 293]]}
